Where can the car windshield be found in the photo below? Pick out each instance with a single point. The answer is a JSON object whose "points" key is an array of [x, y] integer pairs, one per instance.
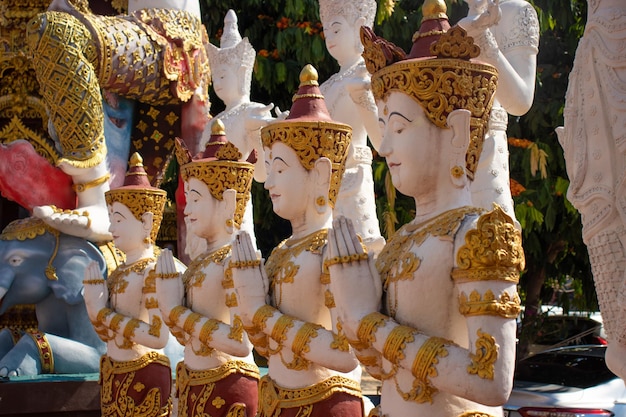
{"points": [[579, 367]]}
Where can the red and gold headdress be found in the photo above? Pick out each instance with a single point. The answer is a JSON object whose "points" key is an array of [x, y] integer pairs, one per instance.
{"points": [[447, 79], [310, 131], [139, 195], [220, 168]]}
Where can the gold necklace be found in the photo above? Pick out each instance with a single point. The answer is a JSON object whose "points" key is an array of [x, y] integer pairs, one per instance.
{"points": [[194, 275], [116, 282], [396, 262], [280, 267]]}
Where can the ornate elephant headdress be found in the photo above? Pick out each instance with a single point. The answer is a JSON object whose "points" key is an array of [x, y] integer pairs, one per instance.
{"points": [[350, 9], [446, 79], [139, 196], [233, 50], [220, 167], [310, 131]]}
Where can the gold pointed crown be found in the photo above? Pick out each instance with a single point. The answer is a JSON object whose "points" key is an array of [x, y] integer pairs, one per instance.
{"points": [[139, 195], [310, 131], [447, 80], [220, 168]]}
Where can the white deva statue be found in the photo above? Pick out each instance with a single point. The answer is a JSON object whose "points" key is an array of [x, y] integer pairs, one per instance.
{"points": [[218, 376], [135, 373], [350, 101], [311, 369], [593, 142], [156, 54], [435, 318], [507, 32]]}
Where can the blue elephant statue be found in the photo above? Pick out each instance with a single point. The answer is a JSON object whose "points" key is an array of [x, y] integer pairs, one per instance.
{"points": [[45, 268]]}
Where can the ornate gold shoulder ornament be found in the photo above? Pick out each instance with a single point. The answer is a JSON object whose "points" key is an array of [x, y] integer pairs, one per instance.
{"points": [[492, 251]]}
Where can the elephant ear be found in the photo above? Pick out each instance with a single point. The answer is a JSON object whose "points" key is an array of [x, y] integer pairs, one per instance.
{"points": [[73, 256]]}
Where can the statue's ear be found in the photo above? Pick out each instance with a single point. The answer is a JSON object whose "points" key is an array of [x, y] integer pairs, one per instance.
{"points": [[230, 203], [322, 172], [459, 123], [147, 220]]}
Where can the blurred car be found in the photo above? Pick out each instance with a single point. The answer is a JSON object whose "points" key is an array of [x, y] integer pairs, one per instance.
{"points": [[566, 330], [571, 381]]}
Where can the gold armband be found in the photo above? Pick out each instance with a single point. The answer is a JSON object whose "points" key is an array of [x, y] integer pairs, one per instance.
{"points": [[175, 315], [190, 322], [115, 322], [423, 368], [45, 351], [303, 337], [260, 317], [280, 329], [368, 326], [103, 314], [393, 350], [506, 306], [207, 330], [129, 328]]}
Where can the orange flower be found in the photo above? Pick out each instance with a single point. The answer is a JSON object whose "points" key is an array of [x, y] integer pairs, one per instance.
{"points": [[516, 188], [264, 53], [275, 54], [520, 143], [283, 23]]}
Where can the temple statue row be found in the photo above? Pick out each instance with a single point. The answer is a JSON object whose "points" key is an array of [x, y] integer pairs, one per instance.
{"points": [[430, 312]]}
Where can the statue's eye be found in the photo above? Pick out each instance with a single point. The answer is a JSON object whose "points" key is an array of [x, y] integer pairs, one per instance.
{"points": [[16, 260]]}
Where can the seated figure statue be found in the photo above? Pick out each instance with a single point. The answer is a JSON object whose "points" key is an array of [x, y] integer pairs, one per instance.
{"points": [[135, 373], [218, 376], [507, 32], [350, 101], [311, 369], [434, 316], [153, 55]]}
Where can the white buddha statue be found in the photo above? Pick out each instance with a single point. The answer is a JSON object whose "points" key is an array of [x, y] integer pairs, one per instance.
{"points": [[350, 101], [507, 32], [434, 315], [135, 374], [218, 376], [311, 369]]}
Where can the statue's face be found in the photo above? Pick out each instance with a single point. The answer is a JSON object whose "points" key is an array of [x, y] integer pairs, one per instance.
{"points": [[128, 232], [342, 39], [288, 182], [226, 82], [201, 209], [410, 143]]}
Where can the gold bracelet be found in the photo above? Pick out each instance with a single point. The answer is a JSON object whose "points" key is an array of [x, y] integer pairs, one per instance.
{"points": [[426, 358], [368, 326], [115, 322], [103, 314], [174, 315], [190, 322], [129, 329], [244, 264], [260, 317], [207, 330], [303, 337], [93, 281], [169, 275], [346, 259], [79, 188], [280, 329], [368, 360], [45, 351], [393, 350]]}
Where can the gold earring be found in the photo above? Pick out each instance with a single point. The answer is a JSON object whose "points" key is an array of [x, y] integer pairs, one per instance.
{"points": [[147, 240], [457, 171], [229, 223], [320, 201]]}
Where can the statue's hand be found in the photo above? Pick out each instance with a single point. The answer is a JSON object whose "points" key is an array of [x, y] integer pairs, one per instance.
{"points": [[259, 117], [351, 279], [169, 285], [95, 292], [360, 90], [89, 222], [482, 16], [280, 115], [249, 277]]}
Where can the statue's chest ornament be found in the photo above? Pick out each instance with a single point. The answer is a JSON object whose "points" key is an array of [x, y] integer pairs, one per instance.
{"points": [[280, 266], [117, 283], [397, 262], [194, 275]]}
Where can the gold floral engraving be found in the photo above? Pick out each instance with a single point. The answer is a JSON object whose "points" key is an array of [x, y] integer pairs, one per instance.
{"points": [[155, 326], [483, 361], [492, 251], [506, 306], [117, 283], [194, 275], [312, 141], [236, 329], [280, 266], [340, 341]]}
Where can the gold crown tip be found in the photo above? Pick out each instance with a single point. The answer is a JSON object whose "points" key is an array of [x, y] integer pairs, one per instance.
{"points": [[434, 8], [136, 160], [218, 128], [308, 75]]}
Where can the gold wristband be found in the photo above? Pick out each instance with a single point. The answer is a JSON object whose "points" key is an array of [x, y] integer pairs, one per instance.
{"points": [[129, 328], [174, 315], [190, 322], [207, 330], [169, 275], [79, 188], [103, 314], [245, 264], [260, 317], [115, 322], [393, 350], [368, 326], [346, 259], [303, 337], [280, 329], [427, 357]]}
